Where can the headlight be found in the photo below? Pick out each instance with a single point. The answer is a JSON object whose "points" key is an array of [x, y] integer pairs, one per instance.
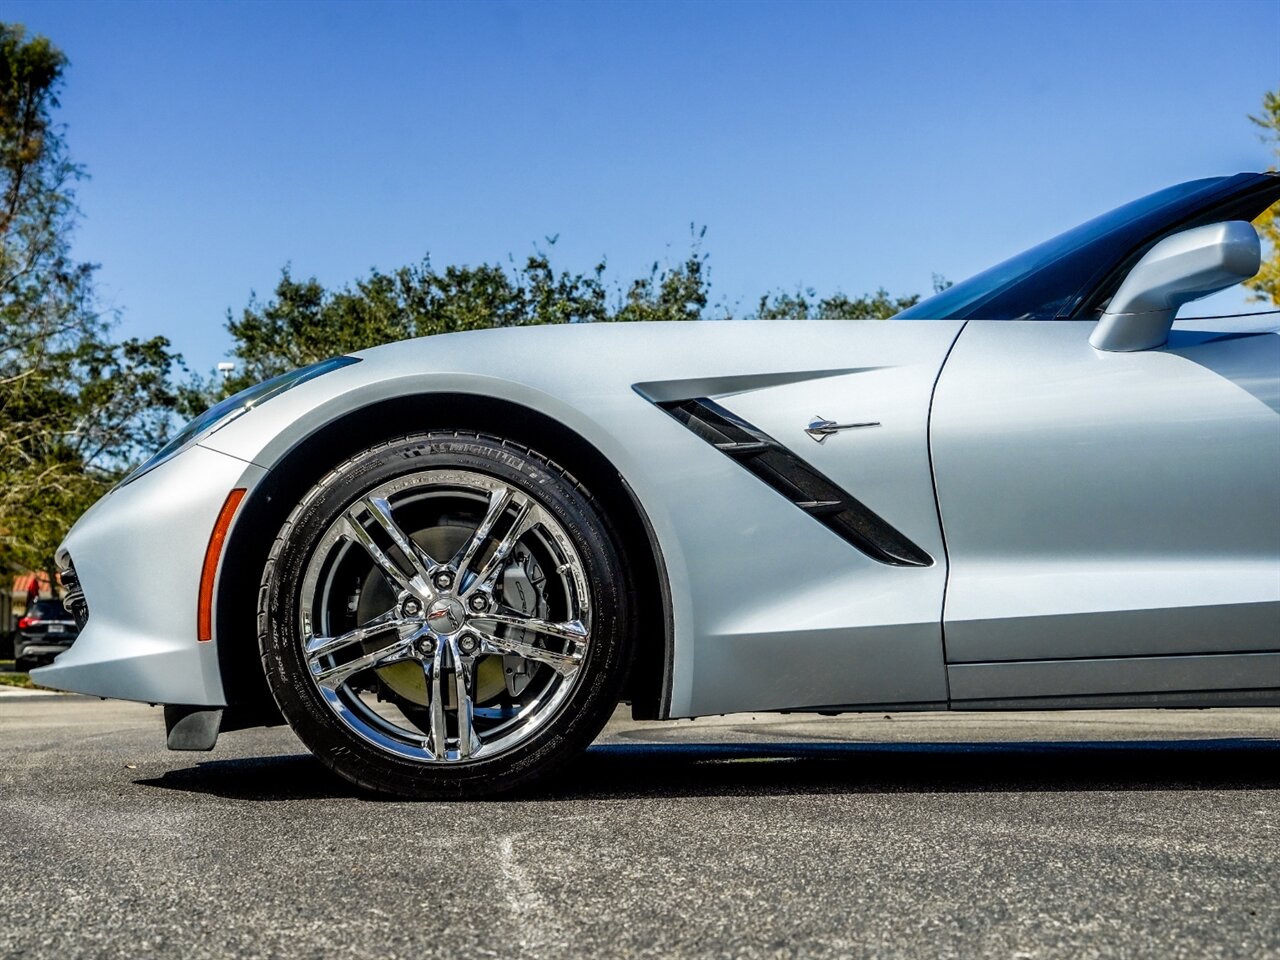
{"points": [[222, 413]]}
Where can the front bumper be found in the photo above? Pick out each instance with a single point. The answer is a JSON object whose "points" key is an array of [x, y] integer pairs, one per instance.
{"points": [[138, 553]]}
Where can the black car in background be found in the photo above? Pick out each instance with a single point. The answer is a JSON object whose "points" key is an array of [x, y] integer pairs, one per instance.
{"points": [[44, 632]]}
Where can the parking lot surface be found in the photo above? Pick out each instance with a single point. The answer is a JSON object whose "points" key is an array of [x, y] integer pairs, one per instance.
{"points": [[1090, 834]]}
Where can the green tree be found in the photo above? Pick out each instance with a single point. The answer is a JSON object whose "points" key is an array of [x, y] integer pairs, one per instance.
{"points": [[303, 322], [805, 304], [1266, 285], [681, 292], [76, 409]]}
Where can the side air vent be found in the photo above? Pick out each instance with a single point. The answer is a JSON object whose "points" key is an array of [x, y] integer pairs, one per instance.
{"points": [[800, 483]]}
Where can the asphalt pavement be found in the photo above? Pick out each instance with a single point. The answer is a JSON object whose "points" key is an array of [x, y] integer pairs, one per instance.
{"points": [[1090, 834]]}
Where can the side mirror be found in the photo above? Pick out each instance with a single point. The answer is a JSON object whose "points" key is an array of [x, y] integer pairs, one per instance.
{"points": [[1177, 270]]}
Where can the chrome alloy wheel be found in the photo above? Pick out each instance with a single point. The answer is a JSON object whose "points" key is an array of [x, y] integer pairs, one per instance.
{"points": [[444, 616]]}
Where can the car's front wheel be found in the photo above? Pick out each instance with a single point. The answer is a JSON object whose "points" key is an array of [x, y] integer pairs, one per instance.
{"points": [[445, 615]]}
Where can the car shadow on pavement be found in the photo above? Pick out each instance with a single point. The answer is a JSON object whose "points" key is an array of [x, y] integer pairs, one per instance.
{"points": [[696, 769], [612, 770], [290, 777]]}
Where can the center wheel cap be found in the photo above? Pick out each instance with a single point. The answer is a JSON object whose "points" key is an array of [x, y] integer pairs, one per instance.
{"points": [[446, 616]]}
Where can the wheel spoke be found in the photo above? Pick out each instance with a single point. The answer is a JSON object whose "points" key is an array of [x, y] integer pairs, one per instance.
{"points": [[336, 676], [423, 565], [323, 646], [562, 663], [499, 499], [493, 566], [437, 737], [462, 672], [572, 630], [355, 530]]}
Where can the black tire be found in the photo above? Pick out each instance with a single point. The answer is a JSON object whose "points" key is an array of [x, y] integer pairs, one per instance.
{"points": [[597, 685], [23, 665]]}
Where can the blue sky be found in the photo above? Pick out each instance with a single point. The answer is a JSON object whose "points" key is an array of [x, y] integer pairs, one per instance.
{"points": [[835, 145]]}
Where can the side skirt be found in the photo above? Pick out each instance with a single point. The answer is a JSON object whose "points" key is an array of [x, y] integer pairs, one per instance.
{"points": [[1208, 680], [1191, 700]]}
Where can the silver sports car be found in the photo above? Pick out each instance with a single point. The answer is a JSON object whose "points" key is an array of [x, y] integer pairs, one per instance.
{"points": [[444, 562]]}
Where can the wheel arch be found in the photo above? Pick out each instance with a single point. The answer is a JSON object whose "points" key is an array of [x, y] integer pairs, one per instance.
{"points": [[265, 509]]}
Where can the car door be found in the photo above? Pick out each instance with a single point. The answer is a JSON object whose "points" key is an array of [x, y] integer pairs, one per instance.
{"points": [[1112, 520]]}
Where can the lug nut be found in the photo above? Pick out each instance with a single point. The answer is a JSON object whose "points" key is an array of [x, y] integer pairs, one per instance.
{"points": [[478, 602], [444, 580], [411, 608], [427, 645], [468, 644]]}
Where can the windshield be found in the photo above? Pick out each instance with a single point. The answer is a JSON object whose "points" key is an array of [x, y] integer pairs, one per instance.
{"points": [[1051, 280]]}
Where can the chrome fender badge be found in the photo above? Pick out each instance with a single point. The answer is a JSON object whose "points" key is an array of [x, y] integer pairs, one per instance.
{"points": [[820, 428]]}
